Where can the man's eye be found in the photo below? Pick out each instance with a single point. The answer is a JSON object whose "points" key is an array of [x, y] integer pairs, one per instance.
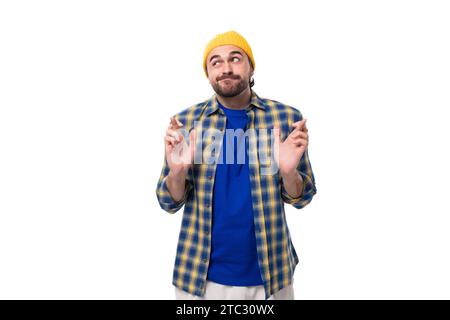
{"points": [[236, 58]]}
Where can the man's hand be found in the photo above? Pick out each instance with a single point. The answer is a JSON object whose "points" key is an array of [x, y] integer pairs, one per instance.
{"points": [[288, 155], [292, 149], [179, 154], [179, 157]]}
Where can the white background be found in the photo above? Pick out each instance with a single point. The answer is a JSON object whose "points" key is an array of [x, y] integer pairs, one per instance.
{"points": [[86, 92]]}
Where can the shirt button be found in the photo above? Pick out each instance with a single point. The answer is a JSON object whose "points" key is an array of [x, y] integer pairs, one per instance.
{"points": [[207, 205], [205, 260], [207, 231], [209, 177]]}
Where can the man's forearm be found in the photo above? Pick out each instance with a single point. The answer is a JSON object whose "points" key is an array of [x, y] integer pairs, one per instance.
{"points": [[176, 183], [293, 184]]}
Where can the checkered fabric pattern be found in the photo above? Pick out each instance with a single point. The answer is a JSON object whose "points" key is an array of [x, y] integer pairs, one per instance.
{"points": [[277, 257]]}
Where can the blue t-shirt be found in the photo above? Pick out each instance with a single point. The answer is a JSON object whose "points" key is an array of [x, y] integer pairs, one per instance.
{"points": [[234, 258]]}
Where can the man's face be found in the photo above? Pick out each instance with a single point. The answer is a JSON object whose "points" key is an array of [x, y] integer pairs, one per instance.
{"points": [[229, 70]]}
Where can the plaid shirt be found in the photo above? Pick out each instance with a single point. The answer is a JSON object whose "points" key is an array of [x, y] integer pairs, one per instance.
{"points": [[277, 257]]}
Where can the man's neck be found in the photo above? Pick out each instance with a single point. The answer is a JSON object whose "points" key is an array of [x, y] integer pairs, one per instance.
{"points": [[241, 101]]}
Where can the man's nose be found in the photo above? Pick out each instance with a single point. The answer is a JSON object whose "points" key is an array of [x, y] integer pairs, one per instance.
{"points": [[227, 68]]}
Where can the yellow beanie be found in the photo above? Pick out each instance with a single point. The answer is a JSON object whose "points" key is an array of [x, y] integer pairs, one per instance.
{"points": [[231, 38]]}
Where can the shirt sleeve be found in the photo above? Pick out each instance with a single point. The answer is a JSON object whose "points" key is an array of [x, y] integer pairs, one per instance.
{"points": [[309, 186], [305, 170]]}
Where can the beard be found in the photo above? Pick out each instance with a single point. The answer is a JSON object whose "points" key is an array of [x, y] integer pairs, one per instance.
{"points": [[230, 88]]}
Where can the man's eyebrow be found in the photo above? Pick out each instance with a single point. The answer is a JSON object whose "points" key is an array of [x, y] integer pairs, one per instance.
{"points": [[214, 56], [217, 56], [235, 52]]}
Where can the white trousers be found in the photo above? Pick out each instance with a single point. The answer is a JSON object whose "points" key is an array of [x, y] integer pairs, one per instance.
{"points": [[217, 291]]}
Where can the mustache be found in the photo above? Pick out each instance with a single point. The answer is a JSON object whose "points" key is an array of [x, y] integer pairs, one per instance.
{"points": [[228, 77]]}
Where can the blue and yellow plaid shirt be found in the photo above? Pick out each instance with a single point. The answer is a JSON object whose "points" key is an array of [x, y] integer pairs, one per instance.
{"points": [[277, 257]]}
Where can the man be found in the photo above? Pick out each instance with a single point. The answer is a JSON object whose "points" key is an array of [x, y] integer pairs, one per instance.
{"points": [[234, 241]]}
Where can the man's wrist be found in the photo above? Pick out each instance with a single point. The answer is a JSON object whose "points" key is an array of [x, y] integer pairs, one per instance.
{"points": [[177, 176], [293, 183], [290, 175]]}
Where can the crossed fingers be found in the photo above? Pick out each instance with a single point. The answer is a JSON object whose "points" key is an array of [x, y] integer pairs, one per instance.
{"points": [[172, 136], [299, 136]]}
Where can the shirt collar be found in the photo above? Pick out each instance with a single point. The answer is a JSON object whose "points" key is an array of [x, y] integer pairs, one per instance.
{"points": [[212, 105]]}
